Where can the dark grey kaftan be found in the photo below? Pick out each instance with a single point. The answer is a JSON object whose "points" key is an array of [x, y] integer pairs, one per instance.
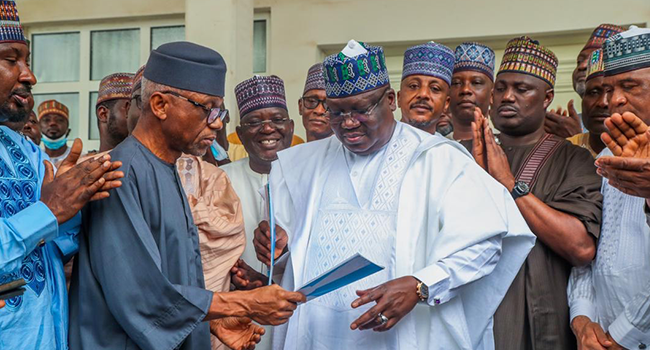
{"points": [[137, 281]]}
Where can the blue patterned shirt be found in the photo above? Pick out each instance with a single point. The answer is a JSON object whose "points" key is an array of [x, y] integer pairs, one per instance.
{"points": [[38, 319]]}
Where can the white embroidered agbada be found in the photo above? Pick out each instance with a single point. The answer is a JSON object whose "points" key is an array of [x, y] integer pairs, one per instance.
{"points": [[420, 206]]}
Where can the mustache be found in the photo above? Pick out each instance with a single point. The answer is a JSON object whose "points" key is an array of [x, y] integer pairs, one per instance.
{"points": [[507, 107], [23, 90]]}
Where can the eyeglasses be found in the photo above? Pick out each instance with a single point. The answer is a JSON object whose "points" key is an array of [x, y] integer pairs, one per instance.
{"points": [[138, 101], [360, 116], [312, 103], [213, 113], [256, 125]]}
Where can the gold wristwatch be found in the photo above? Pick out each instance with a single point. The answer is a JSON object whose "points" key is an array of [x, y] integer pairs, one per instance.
{"points": [[423, 291]]}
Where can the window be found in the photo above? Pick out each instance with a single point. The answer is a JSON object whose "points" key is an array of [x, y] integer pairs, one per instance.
{"points": [[259, 46], [70, 100], [70, 61], [114, 51], [56, 57], [163, 35]]}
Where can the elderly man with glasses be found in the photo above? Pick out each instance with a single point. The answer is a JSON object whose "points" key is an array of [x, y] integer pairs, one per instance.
{"points": [[138, 281], [449, 237]]}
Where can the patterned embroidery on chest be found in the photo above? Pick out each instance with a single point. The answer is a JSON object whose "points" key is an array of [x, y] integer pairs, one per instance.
{"points": [[343, 229], [389, 181], [17, 192]]}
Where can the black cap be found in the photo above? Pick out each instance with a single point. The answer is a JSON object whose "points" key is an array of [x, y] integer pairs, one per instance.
{"points": [[187, 66]]}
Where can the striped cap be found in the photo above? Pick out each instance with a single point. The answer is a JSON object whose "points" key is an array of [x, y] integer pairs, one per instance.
{"points": [[115, 86], [600, 34], [595, 68], [527, 56], [10, 29], [52, 107], [137, 81], [315, 80], [260, 92]]}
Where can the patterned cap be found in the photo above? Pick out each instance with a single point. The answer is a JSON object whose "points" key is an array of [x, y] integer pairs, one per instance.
{"points": [[52, 107], [260, 92], [475, 57], [627, 51], [600, 34], [432, 59], [527, 56], [595, 68], [356, 69], [137, 80], [10, 29], [114, 86], [315, 79]]}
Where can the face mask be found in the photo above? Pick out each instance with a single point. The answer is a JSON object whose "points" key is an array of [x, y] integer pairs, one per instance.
{"points": [[218, 151], [54, 144]]}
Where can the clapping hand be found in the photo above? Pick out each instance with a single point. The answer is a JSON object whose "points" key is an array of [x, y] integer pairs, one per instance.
{"points": [[237, 333], [628, 138], [77, 184], [563, 123], [488, 154]]}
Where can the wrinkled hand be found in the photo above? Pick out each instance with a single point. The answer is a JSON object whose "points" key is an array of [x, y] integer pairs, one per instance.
{"points": [[615, 345], [262, 242], [245, 277], [478, 141], [563, 123], [66, 194], [272, 305], [394, 299], [628, 136], [237, 333], [629, 175], [590, 335]]}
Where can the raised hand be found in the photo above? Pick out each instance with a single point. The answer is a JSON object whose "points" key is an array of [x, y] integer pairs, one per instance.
{"points": [[262, 242], [394, 299], [478, 141], [628, 136], [245, 277], [563, 123], [66, 194], [237, 333], [497, 161]]}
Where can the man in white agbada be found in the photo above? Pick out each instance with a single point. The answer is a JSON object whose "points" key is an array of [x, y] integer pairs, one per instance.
{"points": [[610, 298], [450, 238]]}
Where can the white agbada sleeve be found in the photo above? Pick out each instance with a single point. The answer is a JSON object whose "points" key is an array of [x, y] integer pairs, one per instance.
{"points": [[581, 294]]}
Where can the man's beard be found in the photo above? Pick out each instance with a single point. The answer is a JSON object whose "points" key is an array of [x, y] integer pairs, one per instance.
{"points": [[421, 125], [114, 131], [581, 88], [445, 130], [18, 115]]}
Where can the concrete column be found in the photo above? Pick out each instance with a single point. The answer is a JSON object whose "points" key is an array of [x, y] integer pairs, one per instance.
{"points": [[227, 27]]}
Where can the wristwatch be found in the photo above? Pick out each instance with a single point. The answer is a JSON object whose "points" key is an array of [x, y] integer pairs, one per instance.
{"points": [[423, 291], [521, 189]]}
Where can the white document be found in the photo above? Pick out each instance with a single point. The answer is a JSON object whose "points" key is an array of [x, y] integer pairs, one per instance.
{"points": [[349, 271]]}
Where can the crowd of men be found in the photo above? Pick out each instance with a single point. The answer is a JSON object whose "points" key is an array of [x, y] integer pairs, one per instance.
{"points": [[500, 224]]}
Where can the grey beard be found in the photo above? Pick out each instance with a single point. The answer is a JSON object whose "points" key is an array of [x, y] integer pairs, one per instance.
{"points": [[581, 89], [445, 130], [14, 116]]}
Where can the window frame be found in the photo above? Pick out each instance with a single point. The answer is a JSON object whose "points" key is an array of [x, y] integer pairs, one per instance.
{"points": [[85, 86]]}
